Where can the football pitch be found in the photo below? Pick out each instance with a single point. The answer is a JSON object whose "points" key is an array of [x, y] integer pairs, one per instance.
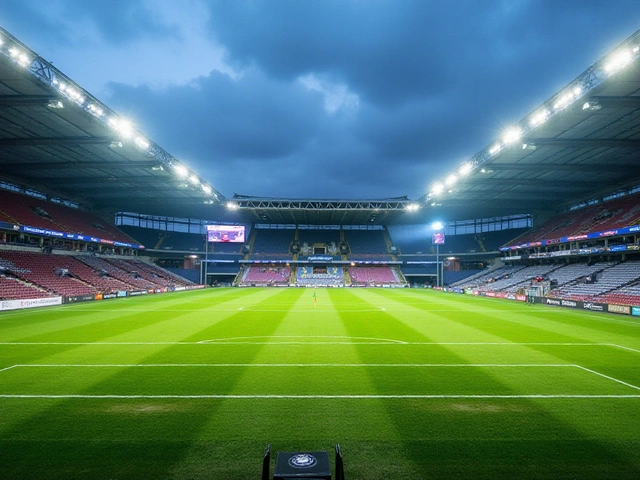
{"points": [[413, 384]]}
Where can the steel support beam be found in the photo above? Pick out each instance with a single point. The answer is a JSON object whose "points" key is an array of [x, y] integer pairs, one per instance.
{"points": [[520, 167], [78, 165], [583, 142], [26, 100], [611, 101], [54, 141]]}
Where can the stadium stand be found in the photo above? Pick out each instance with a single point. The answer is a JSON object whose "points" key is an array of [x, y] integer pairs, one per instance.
{"points": [[34, 212], [520, 278], [370, 276], [266, 275], [54, 274], [490, 276], [13, 288], [366, 242], [330, 277], [68, 275], [606, 281], [618, 213], [272, 242]]}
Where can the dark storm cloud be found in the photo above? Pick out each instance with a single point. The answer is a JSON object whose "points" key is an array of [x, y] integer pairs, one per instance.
{"points": [[331, 98], [116, 21], [230, 128], [120, 21]]}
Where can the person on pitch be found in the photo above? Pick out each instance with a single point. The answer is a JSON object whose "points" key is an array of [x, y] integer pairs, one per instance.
{"points": [[315, 299]]}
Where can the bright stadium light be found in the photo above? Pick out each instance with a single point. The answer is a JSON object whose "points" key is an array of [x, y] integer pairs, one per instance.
{"points": [[194, 179], [232, 206], [206, 189], [495, 149], [412, 207], [142, 143], [97, 111], [539, 118], [122, 126], [437, 189], [437, 225], [465, 169], [511, 135], [181, 170], [451, 179], [618, 61], [19, 56]]}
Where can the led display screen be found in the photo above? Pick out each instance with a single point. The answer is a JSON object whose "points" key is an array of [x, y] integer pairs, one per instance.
{"points": [[225, 233]]}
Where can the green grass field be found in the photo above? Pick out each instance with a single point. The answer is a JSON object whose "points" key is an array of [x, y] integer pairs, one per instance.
{"points": [[413, 384]]}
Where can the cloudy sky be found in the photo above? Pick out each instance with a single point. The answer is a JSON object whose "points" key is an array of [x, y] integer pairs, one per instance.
{"points": [[322, 99]]}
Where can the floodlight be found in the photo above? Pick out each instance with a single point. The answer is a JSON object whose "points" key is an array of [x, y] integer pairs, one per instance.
{"points": [[19, 56], [232, 205], [465, 168], [437, 225], [206, 189], [181, 170], [619, 60], [635, 49], [437, 189], [142, 143], [539, 118], [97, 111], [451, 179], [512, 134], [412, 207], [495, 149], [122, 126], [193, 179], [55, 104]]}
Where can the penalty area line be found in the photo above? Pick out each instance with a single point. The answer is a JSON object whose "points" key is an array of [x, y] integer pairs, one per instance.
{"points": [[607, 377], [624, 348]]}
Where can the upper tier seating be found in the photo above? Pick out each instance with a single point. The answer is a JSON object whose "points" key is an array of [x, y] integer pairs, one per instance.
{"points": [[367, 242], [31, 211], [618, 213], [272, 241]]}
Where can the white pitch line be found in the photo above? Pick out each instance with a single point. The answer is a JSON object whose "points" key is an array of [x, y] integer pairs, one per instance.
{"points": [[624, 348], [608, 377], [315, 397], [8, 368], [323, 365], [383, 342], [333, 337]]}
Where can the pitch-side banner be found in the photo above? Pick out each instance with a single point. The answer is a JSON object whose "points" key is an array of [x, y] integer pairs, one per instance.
{"points": [[30, 303]]}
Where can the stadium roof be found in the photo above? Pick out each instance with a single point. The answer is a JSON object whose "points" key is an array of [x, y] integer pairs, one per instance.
{"points": [[582, 143], [57, 138]]}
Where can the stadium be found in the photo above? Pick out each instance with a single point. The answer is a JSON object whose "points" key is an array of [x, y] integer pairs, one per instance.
{"points": [[152, 327]]}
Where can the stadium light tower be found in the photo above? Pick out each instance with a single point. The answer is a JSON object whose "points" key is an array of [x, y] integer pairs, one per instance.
{"points": [[438, 239]]}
